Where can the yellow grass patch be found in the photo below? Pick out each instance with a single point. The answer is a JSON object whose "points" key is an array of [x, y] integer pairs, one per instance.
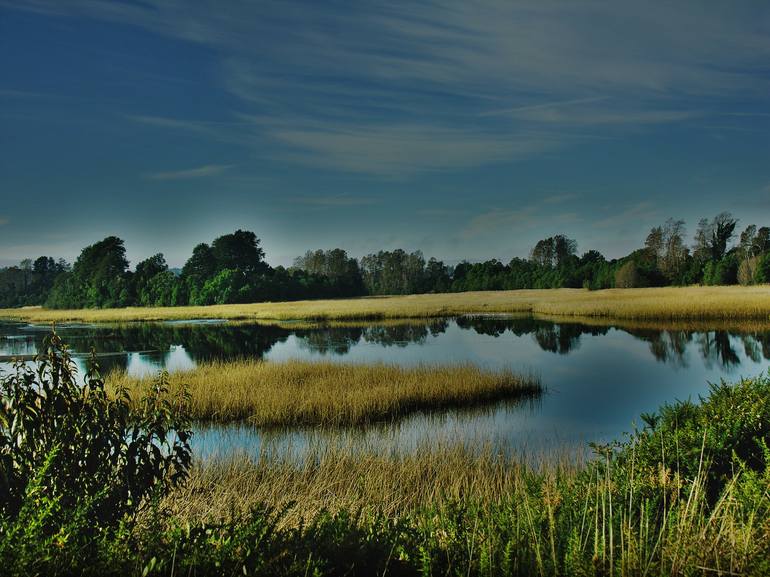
{"points": [[297, 392], [337, 477], [727, 303]]}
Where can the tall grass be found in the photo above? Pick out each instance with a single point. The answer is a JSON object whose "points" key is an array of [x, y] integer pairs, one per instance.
{"points": [[458, 511], [340, 475], [689, 494], [710, 303], [292, 393]]}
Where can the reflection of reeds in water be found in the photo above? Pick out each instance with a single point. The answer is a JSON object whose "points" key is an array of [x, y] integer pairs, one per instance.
{"points": [[728, 303], [300, 393]]}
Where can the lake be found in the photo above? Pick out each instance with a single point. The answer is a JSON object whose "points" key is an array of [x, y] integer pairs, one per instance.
{"points": [[598, 377]]}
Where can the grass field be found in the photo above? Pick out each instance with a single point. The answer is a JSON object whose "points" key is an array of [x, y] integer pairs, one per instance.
{"points": [[340, 475], [297, 392], [453, 511], [726, 303]]}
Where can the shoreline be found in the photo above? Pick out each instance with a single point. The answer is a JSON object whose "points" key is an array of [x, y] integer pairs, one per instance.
{"points": [[728, 303]]}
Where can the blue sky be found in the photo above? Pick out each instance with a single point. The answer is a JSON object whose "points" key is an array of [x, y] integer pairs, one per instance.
{"points": [[465, 129]]}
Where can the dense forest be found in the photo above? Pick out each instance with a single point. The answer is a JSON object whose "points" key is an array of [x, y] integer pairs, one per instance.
{"points": [[232, 269]]}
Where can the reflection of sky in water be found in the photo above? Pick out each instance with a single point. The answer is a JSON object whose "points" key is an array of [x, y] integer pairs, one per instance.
{"points": [[146, 364], [598, 379]]}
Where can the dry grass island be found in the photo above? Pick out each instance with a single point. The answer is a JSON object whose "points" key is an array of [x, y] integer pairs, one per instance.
{"points": [[669, 303], [302, 393]]}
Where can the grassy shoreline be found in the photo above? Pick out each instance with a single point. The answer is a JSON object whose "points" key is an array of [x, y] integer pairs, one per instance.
{"points": [[303, 393], [669, 303], [687, 495], [340, 476]]}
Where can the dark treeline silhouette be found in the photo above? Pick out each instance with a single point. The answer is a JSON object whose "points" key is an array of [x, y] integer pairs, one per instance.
{"points": [[233, 270]]}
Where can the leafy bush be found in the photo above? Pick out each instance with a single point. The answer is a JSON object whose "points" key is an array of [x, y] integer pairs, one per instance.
{"points": [[726, 432], [762, 272], [721, 272], [627, 276], [747, 270], [81, 447]]}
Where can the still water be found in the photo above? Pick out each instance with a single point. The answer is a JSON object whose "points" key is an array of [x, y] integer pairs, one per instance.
{"points": [[598, 378]]}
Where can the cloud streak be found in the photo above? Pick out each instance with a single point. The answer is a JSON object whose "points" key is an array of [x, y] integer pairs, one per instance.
{"points": [[406, 87], [335, 201], [204, 171], [402, 148]]}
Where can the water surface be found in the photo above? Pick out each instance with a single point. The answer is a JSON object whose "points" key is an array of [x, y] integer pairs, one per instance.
{"points": [[599, 377]]}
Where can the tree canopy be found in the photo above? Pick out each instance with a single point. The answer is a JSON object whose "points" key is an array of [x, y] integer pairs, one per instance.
{"points": [[232, 269]]}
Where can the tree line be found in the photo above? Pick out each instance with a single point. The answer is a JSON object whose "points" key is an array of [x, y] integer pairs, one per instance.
{"points": [[232, 269]]}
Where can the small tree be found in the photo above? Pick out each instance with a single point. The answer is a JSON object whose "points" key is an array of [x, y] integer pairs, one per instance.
{"points": [[627, 276], [762, 272], [747, 270]]}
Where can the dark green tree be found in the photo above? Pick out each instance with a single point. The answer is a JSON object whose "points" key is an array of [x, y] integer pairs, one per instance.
{"points": [[239, 251]]}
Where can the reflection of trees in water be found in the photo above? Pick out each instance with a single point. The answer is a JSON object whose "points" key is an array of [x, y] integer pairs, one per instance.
{"points": [[751, 348], [200, 341], [551, 337], [329, 340], [228, 341], [339, 340], [666, 346], [758, 343], [559, 339], [493, 327], [403, 335], [715, 346]]}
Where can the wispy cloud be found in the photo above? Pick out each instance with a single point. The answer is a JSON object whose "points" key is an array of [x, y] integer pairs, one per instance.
{"points": [[223, 131], [599, 116], [493, 220], [335, 200], [543, 106], [3, 220], [404, 87], [396, 149], [561, 198], [594, 111], [190, 173], [12, 93], [633, 214], [439, 212]]}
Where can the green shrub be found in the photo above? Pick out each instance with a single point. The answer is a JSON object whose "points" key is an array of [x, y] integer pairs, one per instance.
{"points": [[726, 432], [627, 276], [762, 271], [721, 272], [82, 446]]}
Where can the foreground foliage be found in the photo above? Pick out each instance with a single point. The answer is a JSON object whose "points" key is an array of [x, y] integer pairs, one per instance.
{"points": [[689, 494], [71, 453]]}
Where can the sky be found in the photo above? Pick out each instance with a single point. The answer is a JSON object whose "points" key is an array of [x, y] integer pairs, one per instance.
{"points": [[467, 129]]}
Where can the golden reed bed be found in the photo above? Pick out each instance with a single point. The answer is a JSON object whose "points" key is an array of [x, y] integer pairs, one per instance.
{"points": [[724, 303], [339, 475], [565, 510], [291, 393]]}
